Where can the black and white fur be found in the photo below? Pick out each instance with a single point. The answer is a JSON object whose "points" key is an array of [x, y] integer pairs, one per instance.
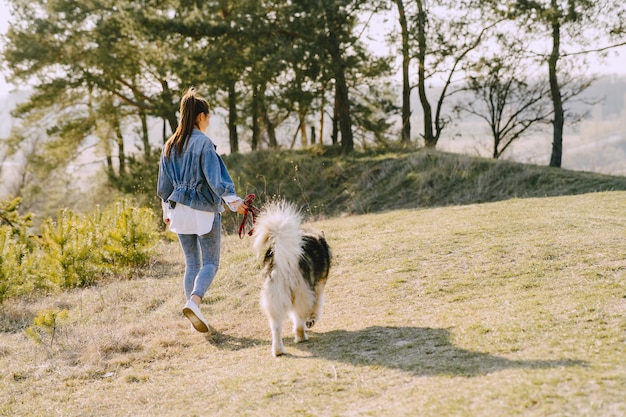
{"points": [[295, 269]]}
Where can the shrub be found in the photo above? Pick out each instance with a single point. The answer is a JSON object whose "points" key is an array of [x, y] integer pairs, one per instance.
{"points": [[46, 322], [21, 269], [131, 235], [76, 250], [70, 250]]}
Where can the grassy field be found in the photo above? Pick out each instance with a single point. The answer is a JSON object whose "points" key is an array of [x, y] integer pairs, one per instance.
{"points": [[508, 308]]}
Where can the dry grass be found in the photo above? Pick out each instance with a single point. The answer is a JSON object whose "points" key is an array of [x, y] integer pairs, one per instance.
{"points": [[500, 309], [381, 179]]}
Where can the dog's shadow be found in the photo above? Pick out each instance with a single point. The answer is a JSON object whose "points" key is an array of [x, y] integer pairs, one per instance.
{"points": [[419, 351]]}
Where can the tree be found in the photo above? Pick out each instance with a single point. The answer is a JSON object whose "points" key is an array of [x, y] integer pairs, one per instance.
{"points": [[39, 176], [406, 85], [335, 56], [99, 63], [574, 28], [507, 93], [509, 101], [9, 216], [444, 35], [337, 22]]}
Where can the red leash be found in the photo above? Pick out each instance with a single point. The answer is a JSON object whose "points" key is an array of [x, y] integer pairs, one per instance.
{"points": [[249, 210]]}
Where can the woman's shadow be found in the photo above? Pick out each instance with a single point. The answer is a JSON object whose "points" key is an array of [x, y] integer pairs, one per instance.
{"points": [[417, 350], [225, 341]]}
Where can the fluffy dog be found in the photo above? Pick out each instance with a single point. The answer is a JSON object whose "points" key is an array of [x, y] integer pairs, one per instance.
{"points": [[295, 269]]}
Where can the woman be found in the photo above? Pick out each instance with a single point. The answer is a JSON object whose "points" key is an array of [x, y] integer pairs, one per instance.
{"points": [[193, 183]]}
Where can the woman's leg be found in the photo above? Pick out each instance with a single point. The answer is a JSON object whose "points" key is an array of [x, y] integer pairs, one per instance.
{"points": [[210, 247], [191, 250], [193, 257]]}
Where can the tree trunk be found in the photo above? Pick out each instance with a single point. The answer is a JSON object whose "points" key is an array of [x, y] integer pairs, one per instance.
{"points": [[255, 118], [110, 170], [120, 148], [269, 126], [343, 105], [555, 92], [322, 113], [145, 139], [429, 139], [232, 117], [341, 88], [170, 108], [406, 87], [335, 134], [271, 131], [496, 144], [173, 122], [304, 140]]}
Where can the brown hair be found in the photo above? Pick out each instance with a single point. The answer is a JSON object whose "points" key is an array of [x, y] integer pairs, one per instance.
{"points": [[191, 105]]}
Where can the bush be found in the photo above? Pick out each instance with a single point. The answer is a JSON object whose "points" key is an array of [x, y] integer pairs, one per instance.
{"points": [[76, 250], [47, 322], [131, 237], [20, 268], [70, 250]]}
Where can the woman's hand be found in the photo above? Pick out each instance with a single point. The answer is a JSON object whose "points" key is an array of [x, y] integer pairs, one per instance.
{"points": [[240, 207]]}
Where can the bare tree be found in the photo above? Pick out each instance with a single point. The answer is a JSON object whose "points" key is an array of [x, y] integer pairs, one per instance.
{"points": [[508, 99]]}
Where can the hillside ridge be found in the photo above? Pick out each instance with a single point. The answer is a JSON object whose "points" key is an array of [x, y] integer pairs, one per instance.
{"points": [[325, 183]]}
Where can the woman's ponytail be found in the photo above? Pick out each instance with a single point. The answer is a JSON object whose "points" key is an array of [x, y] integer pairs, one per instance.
{"points": [[190, 106]]}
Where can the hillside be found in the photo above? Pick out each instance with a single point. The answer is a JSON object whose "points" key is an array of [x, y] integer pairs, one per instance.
{"points": [[326, 184], [508, 308]]}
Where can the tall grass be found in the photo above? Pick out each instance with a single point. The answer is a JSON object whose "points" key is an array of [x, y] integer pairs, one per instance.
{"points": [[377, 180]]}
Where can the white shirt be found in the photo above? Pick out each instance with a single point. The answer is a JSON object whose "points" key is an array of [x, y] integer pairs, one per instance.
{"points": [[187, 221]]}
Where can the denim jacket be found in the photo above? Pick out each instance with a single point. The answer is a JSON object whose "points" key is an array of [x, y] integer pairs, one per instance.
{"points": [[197, 177]]}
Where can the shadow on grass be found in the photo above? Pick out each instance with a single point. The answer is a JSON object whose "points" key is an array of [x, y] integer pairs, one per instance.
{"points": [[224, 341], [420, 351]]}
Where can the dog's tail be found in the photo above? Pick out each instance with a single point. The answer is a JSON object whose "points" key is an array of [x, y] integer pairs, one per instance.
{"points": [[278, 227]]}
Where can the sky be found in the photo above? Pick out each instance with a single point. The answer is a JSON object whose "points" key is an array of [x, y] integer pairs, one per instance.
{"points": [[615, 64]]}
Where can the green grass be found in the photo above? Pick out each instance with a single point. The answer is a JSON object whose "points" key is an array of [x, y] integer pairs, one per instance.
{"points": [[508, 308]]}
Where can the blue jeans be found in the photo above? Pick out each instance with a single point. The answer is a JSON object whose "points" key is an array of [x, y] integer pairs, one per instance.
{"points": [[202, 258]]}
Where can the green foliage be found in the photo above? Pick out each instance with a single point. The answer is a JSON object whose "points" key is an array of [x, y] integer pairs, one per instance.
{"points": [[80, 249], [19, 266], [47, 322], [22, 269], [9, 216], [76, 250], [70, 249], [130, 241], [9, 265]]}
